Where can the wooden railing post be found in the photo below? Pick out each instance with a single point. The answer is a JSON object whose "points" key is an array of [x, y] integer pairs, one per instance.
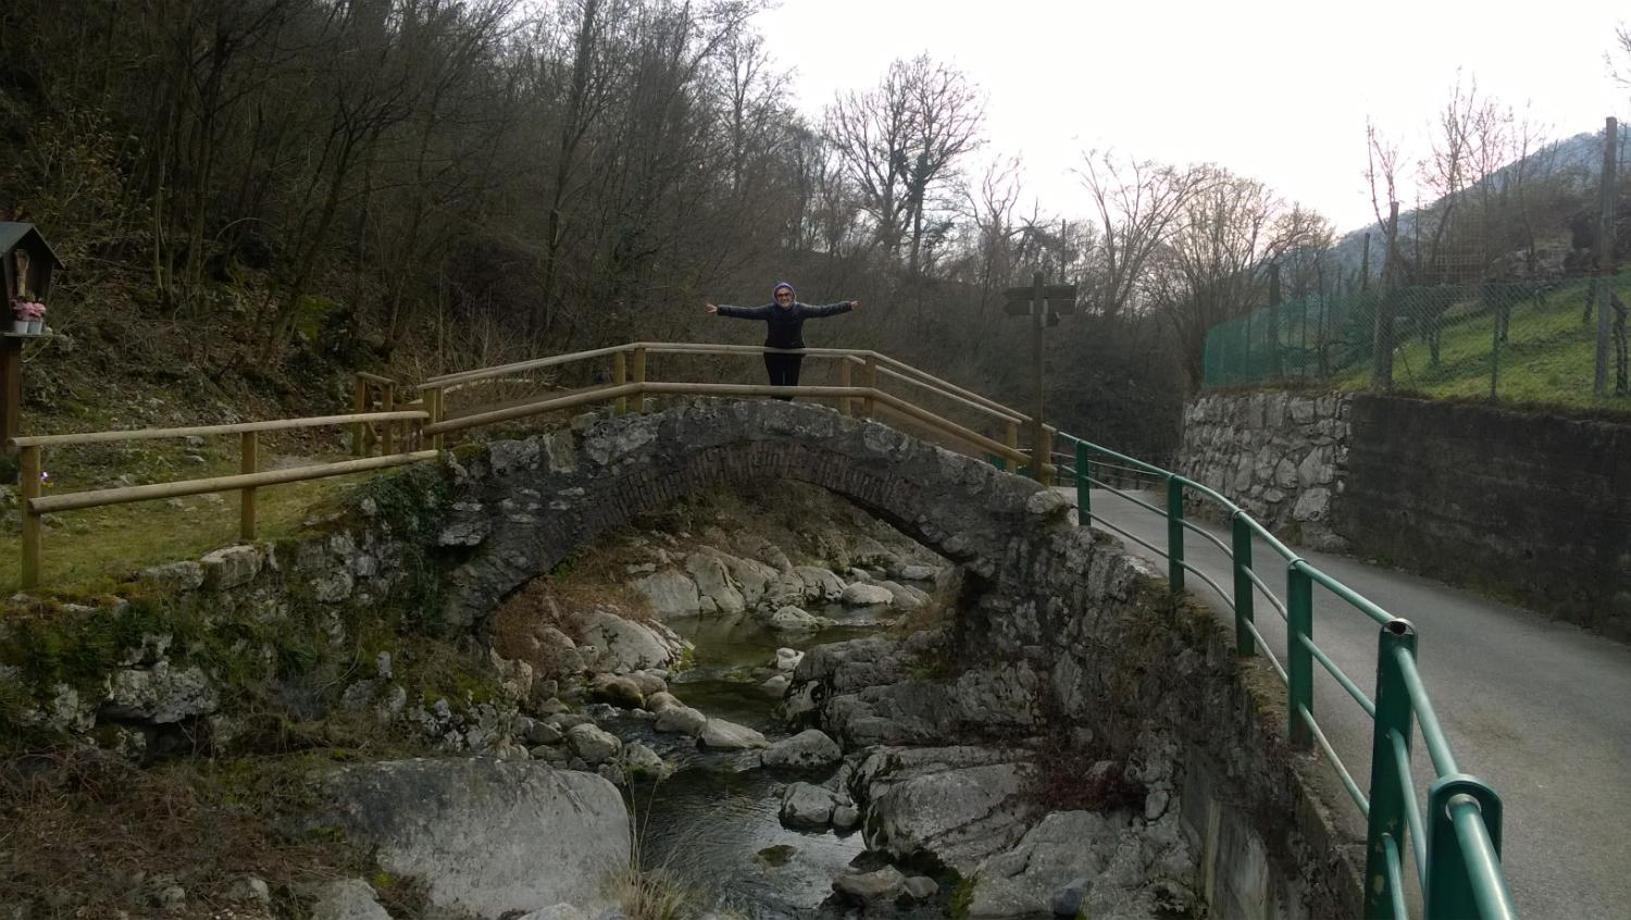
{"points": [[359, 405], [620, 376], [1044, 458], [247, 463], [869, 379], [28, 478], [387, 429], [640, 377], [845, 407], [433, 406]]}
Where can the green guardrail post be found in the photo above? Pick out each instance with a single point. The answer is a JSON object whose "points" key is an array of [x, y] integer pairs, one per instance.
{"points": [[1389, 794], [1000, 463], [1244, 593], [1175, 533], [1299, 660], [1452, 888], [1084, 487]]}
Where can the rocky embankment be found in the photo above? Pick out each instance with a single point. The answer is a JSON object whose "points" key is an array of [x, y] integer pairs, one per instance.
{"points": [[982, 739]]}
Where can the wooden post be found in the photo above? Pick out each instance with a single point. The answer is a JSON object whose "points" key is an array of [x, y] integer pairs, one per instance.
{"points": [[28, 478], [1605, 258], [869, 379], [620, 376], [1011, 436], [1047, 457], [11, 388], [845, 407], [433, 406], [387, 429], [640, 376], [359, 405], [247, 449]]}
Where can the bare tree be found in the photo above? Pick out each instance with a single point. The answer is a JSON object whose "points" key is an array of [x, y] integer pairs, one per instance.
{"points": [[1137, 202], [899, 143]]}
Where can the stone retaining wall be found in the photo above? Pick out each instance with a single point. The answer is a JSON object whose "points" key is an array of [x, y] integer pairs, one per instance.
{"points": [[1280, 456], [1525, 504]]}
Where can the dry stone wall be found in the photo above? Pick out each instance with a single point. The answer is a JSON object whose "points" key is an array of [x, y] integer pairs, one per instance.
{"points": [[1280, 456]]}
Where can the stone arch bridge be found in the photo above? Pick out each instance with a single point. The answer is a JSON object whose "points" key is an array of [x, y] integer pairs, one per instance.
{"points": [[521, 507]]}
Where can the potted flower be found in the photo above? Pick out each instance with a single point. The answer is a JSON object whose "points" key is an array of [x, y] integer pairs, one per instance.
{"points": [[27, 316]]}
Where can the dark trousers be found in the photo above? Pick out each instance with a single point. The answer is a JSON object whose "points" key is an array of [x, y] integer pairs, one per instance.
{"points": [[783, 370]]}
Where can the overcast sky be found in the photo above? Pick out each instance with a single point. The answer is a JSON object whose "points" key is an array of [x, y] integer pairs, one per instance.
{"points": [[1274, 90]]}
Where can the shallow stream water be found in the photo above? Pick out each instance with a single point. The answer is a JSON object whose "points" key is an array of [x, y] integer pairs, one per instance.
{"points": [[715, 825]]}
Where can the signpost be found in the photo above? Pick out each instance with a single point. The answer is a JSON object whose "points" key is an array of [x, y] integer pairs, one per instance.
{"points": [[1044, 304]]}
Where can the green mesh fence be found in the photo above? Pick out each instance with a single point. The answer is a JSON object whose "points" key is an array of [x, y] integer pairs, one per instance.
{"points": [[1523, 340]]}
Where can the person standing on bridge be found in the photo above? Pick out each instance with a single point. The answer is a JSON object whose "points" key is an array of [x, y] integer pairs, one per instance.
{"points": [[785, 318]]}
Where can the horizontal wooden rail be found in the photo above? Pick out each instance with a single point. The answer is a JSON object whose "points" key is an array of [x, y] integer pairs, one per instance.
{"points": [[926, 417], [482, 373], [1006, 415], [583, 398], [705, 348], [147, 434], [126, 494], [376, 378]]}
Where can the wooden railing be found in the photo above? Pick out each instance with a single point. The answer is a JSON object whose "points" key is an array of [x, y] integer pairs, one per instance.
{"points": [[402, 433]]}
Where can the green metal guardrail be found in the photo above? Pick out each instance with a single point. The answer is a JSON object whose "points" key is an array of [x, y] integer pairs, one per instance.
{"points": [[1455, 844]]}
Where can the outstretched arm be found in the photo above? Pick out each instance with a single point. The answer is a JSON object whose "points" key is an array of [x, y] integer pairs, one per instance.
{"points": [[738, 312], [831, 309]]}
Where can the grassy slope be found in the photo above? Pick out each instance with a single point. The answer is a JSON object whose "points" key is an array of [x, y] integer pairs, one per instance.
{"points": [[1547, 358]]}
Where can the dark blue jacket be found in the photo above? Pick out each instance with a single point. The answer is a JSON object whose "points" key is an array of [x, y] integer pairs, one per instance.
{"points": [[786, 323]]}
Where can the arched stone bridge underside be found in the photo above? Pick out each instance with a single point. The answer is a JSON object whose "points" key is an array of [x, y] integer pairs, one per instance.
{"points": [[524, 506]]}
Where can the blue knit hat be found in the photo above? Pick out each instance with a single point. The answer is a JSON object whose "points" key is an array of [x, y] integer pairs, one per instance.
{"points": [[779, 286]]}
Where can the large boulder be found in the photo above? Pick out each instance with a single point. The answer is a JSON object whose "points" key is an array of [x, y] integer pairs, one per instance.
{"points": [[670, 593], [713, 580], [956, 806], [721, 735], [884, 884], [487, 837], [750, 576], [794, 619], [859, 595], [345, 899], [593, 743], [1064, 847], [161, 694], [681, 720], [626, 645], [807, 806], [807, 749]]}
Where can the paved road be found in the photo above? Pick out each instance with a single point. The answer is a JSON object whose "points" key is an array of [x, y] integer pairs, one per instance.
{"points": [[1541, 710]]}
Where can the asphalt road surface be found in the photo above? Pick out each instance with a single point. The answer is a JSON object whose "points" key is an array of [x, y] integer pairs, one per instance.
{"points": [[1539, 709]]}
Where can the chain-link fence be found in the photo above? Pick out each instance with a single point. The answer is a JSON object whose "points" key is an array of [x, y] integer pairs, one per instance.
{"points": [[1523, 340]]}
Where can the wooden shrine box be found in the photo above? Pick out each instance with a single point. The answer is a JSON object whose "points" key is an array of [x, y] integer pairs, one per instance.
{"points": [[26, 264]]}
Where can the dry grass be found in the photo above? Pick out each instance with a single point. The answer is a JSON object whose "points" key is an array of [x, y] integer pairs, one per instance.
{"points": [[1064, 783], [87, 834]]}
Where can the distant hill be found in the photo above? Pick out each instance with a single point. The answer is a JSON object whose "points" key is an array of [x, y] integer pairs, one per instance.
{"points": [[1575, 163]]}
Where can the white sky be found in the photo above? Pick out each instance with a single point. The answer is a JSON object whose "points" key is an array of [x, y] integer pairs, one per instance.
{"points": [[1278, 91]]}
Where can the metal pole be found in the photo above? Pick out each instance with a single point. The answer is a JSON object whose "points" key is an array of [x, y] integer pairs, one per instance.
{"points": [[1175, 534], [1299, 660], [1038, 462], [1084, 485], [1389, 796], [1244, 589]]}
